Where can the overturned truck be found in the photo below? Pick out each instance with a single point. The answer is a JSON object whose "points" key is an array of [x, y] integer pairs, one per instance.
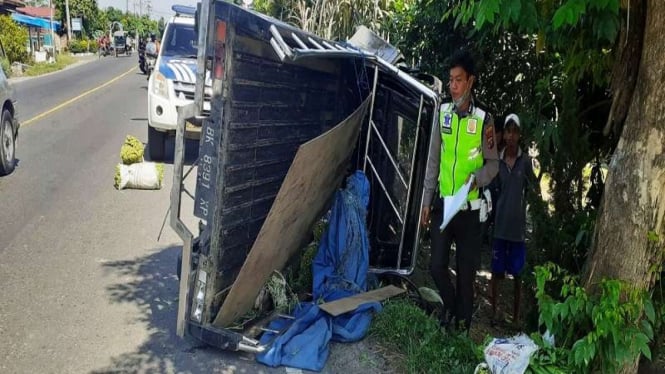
{"points": [[291, 115]]}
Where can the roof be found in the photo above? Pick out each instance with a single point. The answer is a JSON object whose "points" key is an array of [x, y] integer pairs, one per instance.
{"points": [[34, 21], [33, 11], [15, 3]]}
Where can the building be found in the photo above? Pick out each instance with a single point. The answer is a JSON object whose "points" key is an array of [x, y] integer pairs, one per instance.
{"points": [[38, 22], [9, 6]]}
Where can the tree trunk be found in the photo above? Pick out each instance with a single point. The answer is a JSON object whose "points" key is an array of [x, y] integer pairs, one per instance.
{"points": [[633, 207]]}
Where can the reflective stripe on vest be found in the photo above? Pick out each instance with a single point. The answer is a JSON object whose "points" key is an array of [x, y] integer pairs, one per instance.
{"points": [[461, 148]]}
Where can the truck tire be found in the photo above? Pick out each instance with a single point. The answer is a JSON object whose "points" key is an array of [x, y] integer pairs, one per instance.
{"points": [[7, 144], [156, 144]]}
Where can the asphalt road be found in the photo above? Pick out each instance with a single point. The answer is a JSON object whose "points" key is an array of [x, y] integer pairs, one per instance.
{"points": [[85, 286]]}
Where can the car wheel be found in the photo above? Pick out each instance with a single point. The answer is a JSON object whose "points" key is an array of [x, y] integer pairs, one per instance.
{"points": [[7, 144], [156, 144]]}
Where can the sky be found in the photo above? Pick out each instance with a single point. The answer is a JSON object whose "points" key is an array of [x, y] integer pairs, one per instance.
{"points": [[160, 8]]}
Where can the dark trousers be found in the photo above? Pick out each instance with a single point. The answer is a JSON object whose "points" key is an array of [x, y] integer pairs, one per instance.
{"points": [[465, 230]]}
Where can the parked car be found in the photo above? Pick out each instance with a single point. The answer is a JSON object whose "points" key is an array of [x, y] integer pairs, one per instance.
{"points": [[8, 123], [171, 84]]}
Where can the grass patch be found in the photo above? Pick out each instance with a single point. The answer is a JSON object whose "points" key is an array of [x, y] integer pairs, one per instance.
{"points": [[62, 61], [407, 329]]}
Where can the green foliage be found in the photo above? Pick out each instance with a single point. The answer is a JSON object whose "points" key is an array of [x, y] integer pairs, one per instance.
{"points": [[404, 327], [160, 172], [300, 274], [116, 177], [14, 39], [62, 61], [131, 151], [6, 66], [329, 19], [599, 332], [87, 9], [81, 46]]}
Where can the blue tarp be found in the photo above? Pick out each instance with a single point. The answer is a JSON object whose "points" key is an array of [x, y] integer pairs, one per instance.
{"points": [[35, 21], [339, 270]]}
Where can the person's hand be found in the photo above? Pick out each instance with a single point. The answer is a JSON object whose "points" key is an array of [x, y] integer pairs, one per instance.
{"points": [[424, 219], [473, 185]]}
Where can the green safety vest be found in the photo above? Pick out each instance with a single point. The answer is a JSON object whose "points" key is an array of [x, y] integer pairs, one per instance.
{"points": [[461, 148]]}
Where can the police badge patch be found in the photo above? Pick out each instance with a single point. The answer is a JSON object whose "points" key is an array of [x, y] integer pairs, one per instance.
{"points": [[446, 126], [471, 125]]}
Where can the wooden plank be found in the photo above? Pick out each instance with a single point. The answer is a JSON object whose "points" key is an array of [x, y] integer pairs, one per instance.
{"points": [[317, 170], [347, 304]]}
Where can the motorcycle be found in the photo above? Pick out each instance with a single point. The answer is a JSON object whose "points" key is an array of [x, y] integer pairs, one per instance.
{"points": [[150, 57], [151, 60], [104, 51], [142, 63]]}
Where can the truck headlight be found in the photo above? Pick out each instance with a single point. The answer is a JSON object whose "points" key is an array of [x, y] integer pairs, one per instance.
{"points": [[160, 86]]}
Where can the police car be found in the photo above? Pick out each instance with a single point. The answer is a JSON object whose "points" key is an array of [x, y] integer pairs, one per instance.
{"points": [[172, 84]]}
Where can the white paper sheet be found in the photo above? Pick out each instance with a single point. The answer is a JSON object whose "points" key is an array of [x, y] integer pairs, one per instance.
{"points": [[453, 204]]}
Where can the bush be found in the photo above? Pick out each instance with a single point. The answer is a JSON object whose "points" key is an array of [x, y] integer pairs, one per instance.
{"points": [[6, 66], [407, 329], [14, 40], [82, 46]]}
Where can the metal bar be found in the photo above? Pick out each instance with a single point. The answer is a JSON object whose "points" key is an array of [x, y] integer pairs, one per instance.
{"points": [[317, 45], [330, 46], [185, 190], [389, 68], [408, 189], [278, 49], [250, 340], [270, 330], [371, 113], [300, 42], [383, 187], [250, 349], [414, 256], [201, 56], [285, 47], [190, 169], [390, 156], [177, 224]]}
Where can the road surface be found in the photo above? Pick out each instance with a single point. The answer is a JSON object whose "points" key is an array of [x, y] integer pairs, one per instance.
{"points": [[86, 286]]}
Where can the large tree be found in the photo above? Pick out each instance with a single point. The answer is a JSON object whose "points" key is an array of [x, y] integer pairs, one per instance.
{"points": [[629, 234], [631, 227]]}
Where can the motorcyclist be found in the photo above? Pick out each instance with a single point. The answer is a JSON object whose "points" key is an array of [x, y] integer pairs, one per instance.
{"points": [[151, 51], [152, 47]]}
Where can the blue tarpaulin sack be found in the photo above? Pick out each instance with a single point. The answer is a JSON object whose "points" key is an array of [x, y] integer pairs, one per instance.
{"points": [[339, 270]]}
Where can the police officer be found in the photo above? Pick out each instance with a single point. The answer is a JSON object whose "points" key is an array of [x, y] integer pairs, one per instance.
{"points": [[462, 145]]}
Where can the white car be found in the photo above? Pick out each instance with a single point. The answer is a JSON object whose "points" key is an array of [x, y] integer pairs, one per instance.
{"points": [[8, 123], [172, 83]]}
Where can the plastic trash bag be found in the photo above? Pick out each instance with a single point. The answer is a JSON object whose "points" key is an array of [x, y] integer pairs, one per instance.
{"points": [[509, 355], [142, 176]]}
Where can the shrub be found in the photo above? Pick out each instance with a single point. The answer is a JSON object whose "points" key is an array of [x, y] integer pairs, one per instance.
{"points": [[14, 39], [82, 46], [6, 66]]}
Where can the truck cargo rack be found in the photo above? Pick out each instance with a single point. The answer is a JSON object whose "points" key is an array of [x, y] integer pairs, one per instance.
{"points": [[383, 165]]}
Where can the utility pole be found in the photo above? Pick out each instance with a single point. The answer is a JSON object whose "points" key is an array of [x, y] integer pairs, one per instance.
{"points": [[69, 21], [50, 5]]}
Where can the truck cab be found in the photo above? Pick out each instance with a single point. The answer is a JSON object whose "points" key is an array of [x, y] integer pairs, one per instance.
{"points": [[172, 83]]}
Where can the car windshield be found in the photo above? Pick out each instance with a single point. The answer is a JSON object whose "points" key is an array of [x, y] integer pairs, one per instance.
{"points": [[179, 40]]}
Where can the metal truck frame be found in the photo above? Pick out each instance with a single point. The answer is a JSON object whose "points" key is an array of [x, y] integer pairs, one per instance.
{"points": [[274, 88]]}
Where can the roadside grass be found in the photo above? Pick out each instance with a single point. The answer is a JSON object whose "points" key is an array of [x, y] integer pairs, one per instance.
{"points": [[405, 328], [62, 61]]}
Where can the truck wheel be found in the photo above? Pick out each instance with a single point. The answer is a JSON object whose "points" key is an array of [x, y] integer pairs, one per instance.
{"points": [[7, 144], [156, 140]]}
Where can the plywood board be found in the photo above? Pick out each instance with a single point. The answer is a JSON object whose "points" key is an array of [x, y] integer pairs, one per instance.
{"points": [[317, 170], [347, 304]]}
